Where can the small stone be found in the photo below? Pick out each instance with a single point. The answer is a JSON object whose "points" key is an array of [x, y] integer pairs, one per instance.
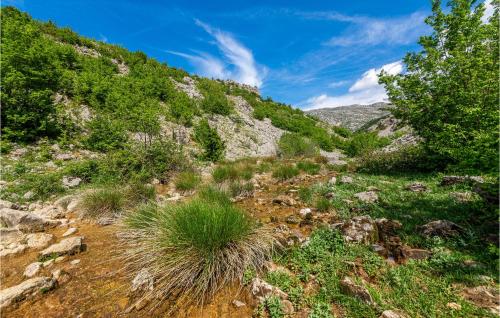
{"points": [[60, 259], [349, 287], [417, 253], [71, 182], [32, 269], [75, 262], [287, 307], [262, 289], [238, 304], [48, 263], [332, 181], [284, 200], [454, 306], [367, 197], [39, 240], [304, 212], [391, 314], [416, 187], [28, 195], [142, 281], [346, 179], [441, 228], [70, 231], [26, 289], [67, 246], [292, 219]]}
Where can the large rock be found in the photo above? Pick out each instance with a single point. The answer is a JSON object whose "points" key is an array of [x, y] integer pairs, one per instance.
{"points": [[25, 221], [32, 269], [349, 287], [67, 246], [10, 235], [441, 228], [483, 296], [26, 289], [359, 229], [50, 212], [39, 240], [71, 182], [367, 197], [387, 228]]}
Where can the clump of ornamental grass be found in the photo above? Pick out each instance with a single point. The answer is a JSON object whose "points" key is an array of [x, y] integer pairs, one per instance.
{"points": [[285, 172], [102, 202], [195, 248]]}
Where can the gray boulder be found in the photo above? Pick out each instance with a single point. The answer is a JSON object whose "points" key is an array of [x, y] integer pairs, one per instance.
{"points": [[67, 246], [26, 289]]}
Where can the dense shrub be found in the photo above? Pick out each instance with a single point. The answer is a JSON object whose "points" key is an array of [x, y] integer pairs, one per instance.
{"points": [[105, 134], [196, 247], [215, 100], [209, 139], [182, 108], [364, 142], [294, 145], [342, 131]]}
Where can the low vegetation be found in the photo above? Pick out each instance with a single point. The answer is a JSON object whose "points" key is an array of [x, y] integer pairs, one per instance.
{"points": [[187, 180], [197, 247], [295, 145], [106, 202], [285, 171]]}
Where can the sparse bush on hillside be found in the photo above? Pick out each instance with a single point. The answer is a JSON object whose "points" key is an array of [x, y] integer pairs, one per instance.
{"points": [[214, 97], [295, 145], [209, 139], [196, 247], [285, 172]]}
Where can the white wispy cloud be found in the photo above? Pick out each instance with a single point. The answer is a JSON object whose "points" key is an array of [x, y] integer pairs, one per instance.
{"points": [[488, 11], [373, 31], [366, 90], [237, 60], [338, 84]]}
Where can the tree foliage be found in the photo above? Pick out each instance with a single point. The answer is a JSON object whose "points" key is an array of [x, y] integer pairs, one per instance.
{"points": [[449, 93], [210, 140]]}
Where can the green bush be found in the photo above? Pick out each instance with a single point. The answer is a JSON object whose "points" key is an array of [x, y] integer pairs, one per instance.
{"points": [[225, 172], [210, 141], [187, 180], [285, 172], [102, 202], [105, 134], [182, 108], [215, 100], [294, 145], [342, 131], [323, 205], [309, 167], [364, 142], [197, 247]]}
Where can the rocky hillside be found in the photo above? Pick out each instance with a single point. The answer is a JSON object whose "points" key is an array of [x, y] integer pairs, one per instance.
{"points": [[353, 116]]}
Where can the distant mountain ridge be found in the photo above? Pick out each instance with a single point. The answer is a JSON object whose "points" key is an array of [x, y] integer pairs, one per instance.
{"points": [[354, 116]]}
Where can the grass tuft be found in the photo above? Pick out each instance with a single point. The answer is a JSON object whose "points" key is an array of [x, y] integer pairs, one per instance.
{"points": [[102, 202], [187, 180], [285, 172]]}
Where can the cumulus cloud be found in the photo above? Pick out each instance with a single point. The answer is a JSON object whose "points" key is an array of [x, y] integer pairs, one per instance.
{"points": [[372, 31], [366, 90], [237, 63]]}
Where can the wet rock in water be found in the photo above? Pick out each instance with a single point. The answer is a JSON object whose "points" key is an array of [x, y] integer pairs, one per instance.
{"points": [[349, 287], [284, 200], [262, 289], [238, 304], [391, 314], [39, 240], [367, 197], [67, 246], [359, 229], [26, 289], [441, 228], [25, 221], [32, 269], [484, 297], [143, 281], [416, 187], [452, 180], [346, 179], [304, 212], [70, 231], [71, 182], [416, 253]]}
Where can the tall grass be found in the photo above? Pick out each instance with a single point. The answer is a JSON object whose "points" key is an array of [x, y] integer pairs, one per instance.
{"points": [[285, 172], [102, 202], [195, 248], [294, 145], [186, 181]]}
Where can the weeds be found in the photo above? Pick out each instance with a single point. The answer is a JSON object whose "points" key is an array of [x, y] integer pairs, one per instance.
{"points": [[309, 167], [285, 172], [187, 180]]}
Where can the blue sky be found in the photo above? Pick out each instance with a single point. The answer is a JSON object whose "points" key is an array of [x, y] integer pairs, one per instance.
{"points": [[310, 54]]}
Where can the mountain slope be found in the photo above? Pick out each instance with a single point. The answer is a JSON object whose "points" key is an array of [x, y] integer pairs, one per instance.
{"points": [[354, 116]]}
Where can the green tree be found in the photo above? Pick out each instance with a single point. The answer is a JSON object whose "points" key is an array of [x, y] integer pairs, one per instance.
{"points": [[209, 139], [449, 93]]}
